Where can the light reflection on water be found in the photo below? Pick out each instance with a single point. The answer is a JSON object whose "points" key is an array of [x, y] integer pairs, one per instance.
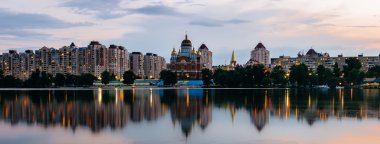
{"points": [[190, 116]]}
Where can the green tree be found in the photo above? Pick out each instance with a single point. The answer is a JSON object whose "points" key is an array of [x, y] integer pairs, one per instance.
{"points": [[266, 81], [207, 76], [169, 77], [312, 79], [46, 79], [86, 79], [129, 77], [336, 71], [113, 76], [1, 78], [59, 80], [11, 82], [352, 72], [34, 80], [373, 71], [299, 74], [352, 63], [220, 77], [106, 77], [278, 75], [321, 75], [258, 74], [71, 80], [332, 82]]}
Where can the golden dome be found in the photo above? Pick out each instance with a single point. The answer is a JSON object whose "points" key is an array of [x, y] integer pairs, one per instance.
{"points": [[174, 52], [193, 51]]}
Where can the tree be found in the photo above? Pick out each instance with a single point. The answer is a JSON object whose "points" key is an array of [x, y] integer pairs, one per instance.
{"points": [[352, 72], [59, 79], [373, 71], [207, 77], [113, 76], [321, 75], [169, 77], [71, 80], [1, 78], [11, 82], [105, 77], [352, 63], [312, 79], [258, 74], [336, 71], [266, 81], [46, 79], [34, 80], [86, 79], [129, 77], [299, 74], [220, 77], [278, 75]]}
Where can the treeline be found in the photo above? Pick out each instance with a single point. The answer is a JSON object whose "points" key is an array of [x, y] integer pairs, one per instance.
{"points": [[299, 76], [40, 79]]}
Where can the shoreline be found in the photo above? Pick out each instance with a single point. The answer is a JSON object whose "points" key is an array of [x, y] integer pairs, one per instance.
{"points": [[148, 87]]}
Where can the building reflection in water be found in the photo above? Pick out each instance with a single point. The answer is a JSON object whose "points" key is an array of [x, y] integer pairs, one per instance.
{"points": [[188, 108]]}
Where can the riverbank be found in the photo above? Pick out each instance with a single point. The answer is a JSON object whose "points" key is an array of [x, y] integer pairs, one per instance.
{"points": [[157, 87]]}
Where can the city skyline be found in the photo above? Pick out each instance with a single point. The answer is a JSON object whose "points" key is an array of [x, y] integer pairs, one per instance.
{"points": [[285, 27]]}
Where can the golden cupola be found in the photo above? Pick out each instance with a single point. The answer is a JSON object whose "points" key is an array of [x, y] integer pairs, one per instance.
{"points": [[174, 52], [193, 51]]}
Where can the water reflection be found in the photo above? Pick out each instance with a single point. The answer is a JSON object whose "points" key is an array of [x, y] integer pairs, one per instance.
{"points": [[188, 108]]}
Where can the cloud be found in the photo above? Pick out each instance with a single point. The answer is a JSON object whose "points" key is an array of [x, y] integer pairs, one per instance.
{"points": [[10, 20], [103, 9], [156, 10], [364, 26], [92, 5], [216, 23], [17, 25], [21, 34]]}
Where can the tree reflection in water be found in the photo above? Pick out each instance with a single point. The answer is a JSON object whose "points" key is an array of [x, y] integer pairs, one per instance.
{"points": [[99, 109]]}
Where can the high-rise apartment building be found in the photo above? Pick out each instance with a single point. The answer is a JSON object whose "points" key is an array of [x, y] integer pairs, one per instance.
{"points": [[137, 64], [259, 55]]}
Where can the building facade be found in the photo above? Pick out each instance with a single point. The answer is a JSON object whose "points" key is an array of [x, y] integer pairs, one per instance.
{"points": [[153, 65], [259, 55], [187, 63], [137, 64], [93, 59], [313, 59]]}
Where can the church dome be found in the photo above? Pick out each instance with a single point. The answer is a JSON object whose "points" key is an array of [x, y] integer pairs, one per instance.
{"points": [[174, 52], [186, 42], [193, 51]]}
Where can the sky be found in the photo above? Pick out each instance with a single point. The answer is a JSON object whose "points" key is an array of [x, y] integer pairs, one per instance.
{"points": [[285, 27]]}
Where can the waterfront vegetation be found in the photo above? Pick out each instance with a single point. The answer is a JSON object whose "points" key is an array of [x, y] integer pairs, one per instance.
{"points": [[249, 76], [299, 76]]}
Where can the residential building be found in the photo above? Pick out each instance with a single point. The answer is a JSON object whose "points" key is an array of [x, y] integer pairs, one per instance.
{"points": [[259, 55], [137, 64], [313, 59]]}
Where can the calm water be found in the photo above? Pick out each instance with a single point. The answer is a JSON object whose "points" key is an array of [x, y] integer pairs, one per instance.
{"points": [[280, 116]]}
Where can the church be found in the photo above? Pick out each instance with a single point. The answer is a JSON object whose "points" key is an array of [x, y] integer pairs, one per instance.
{"points": [[188, 63]]}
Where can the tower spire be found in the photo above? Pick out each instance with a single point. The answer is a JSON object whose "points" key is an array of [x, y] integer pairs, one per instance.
{"points": [[233, 59]]}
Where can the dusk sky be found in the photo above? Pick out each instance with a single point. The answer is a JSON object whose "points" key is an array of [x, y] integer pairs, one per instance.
{"points": [[285, 27]]}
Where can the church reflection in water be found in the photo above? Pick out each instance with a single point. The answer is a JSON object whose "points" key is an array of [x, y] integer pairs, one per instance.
{"points": [[99, 109]]}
